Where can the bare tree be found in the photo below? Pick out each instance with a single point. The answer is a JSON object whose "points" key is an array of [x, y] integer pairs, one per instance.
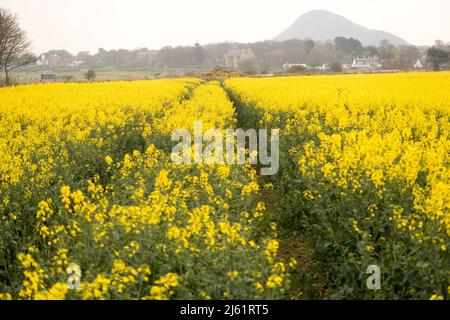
{"points": [[14, 45]]}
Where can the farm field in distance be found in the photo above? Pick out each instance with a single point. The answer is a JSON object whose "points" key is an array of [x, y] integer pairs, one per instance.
{"points": [[32, 75], [88, 189]]}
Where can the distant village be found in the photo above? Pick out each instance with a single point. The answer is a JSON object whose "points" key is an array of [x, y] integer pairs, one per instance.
{"points": [[364, 64], [340, 55]]}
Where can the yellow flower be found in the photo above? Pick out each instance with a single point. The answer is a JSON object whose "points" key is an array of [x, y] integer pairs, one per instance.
{"points": [[5, 296], [259, 286], [163, 181], [158, 293], [293, 263], [272, 248], [57, 292], [170, 280], [274, 281], [108, 160], [233, 275]]}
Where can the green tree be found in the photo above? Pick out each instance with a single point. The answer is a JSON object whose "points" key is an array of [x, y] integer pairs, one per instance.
{"points": [[348, 47], [336, 67], [199, 54], [436, 57], [61, 53], [90, 75], [408, 56], [370, 51], [386, 50], [309, 46], [323, 53]]}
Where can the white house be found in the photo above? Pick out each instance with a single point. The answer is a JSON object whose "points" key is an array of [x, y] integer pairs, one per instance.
{"points": [[42, 61], [326, 67], [366, 63], [287, 66], [418, 65]]}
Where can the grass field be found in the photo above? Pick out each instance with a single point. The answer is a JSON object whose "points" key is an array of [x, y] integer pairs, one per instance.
{"points": [[33, 75]]}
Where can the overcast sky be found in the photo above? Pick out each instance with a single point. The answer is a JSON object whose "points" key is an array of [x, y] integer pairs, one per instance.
{"points": [[78, 25]]}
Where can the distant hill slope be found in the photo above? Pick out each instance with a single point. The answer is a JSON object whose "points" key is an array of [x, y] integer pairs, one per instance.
{"points": [[322, 25]]}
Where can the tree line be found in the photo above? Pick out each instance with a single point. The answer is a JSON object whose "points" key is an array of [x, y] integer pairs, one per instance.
{"points": [[269, 55]]}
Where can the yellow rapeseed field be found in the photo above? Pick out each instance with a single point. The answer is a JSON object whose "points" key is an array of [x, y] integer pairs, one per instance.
{"points": [[92, 206], [366, 172], [88, 191]]}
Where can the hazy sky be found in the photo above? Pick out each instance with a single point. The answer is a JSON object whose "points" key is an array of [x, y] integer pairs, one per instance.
{"points": [[78, 25]]}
